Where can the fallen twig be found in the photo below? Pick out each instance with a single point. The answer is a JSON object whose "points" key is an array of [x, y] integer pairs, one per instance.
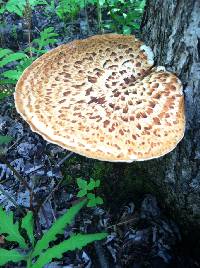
{"points": [[49, 195], [64, 159]]}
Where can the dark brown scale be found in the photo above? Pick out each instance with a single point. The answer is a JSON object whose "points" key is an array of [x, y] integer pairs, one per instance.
{"points": [[117, 94], [134, 137], [121, 132], [111, 105], [92, 79], [125, 119], [156, 121], [112, 67], [156, 85], [114, 83], [157, 96], [117, 108], [138, 115], [88, 91], [111, 129], [152, 104], [138, 64], [125, 110], [106, 123], [66, 93], [78, 62], [61, 101], [113, 54], [143, 115]]}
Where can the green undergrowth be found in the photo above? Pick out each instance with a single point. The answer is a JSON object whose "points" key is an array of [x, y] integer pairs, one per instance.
{"points": [[38, 252]]}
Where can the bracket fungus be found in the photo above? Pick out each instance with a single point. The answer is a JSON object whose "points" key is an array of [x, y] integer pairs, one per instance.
{"points": [[102, 97]]}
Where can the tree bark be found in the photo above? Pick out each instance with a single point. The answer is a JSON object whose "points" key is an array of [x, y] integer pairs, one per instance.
{"points": [[172, 29]]}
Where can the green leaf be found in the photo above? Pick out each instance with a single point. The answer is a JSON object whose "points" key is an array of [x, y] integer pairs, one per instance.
{"points": [[2, 10], [34, 3], [82, 193], [126, 29], [57, 228], [74, 242], [5, 140], [93, 200], [136, 26], [101, 2], [142, 4], [10, 255], [4, 52], [46, 38], [12, 57], [91, 185], [97, 183], [16, 7], [24, 64], [99, 200], [82, 184], [90, 196], [12, 74], [6, 82], [91, 203], [27, 224], [10, 229]]}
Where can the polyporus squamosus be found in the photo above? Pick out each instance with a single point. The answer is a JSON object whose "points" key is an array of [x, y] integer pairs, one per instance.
{"points": [[102, 98]]}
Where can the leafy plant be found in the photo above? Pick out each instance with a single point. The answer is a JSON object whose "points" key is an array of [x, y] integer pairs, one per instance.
{"points": [[85, 187], [7, 57], [125, 14], [68, 9], [18, 7], [17, 62], [38, 253], [50, 7], [47, 37]]}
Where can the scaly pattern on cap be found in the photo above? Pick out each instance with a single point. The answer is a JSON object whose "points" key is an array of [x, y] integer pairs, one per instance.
{"points": [[102, 98]]}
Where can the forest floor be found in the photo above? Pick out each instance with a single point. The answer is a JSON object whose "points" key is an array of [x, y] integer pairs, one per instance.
{"points": [[140, 233]]}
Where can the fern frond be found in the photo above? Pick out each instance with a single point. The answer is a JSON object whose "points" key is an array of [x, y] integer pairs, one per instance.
{"points": [[74, 242], [10, 229], [27, 224], [10, 256], [12, 57], [57, 228], [4, 52], [12, 74]]}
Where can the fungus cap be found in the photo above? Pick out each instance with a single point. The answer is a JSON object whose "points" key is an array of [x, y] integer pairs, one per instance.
{"points": [[102, 98]]}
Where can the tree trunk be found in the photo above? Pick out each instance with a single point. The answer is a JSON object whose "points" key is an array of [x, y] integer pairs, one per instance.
{"points": [[172, 29]]}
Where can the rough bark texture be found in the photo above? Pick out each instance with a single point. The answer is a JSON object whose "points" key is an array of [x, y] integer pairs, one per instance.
{"points": [[172, 29]]}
